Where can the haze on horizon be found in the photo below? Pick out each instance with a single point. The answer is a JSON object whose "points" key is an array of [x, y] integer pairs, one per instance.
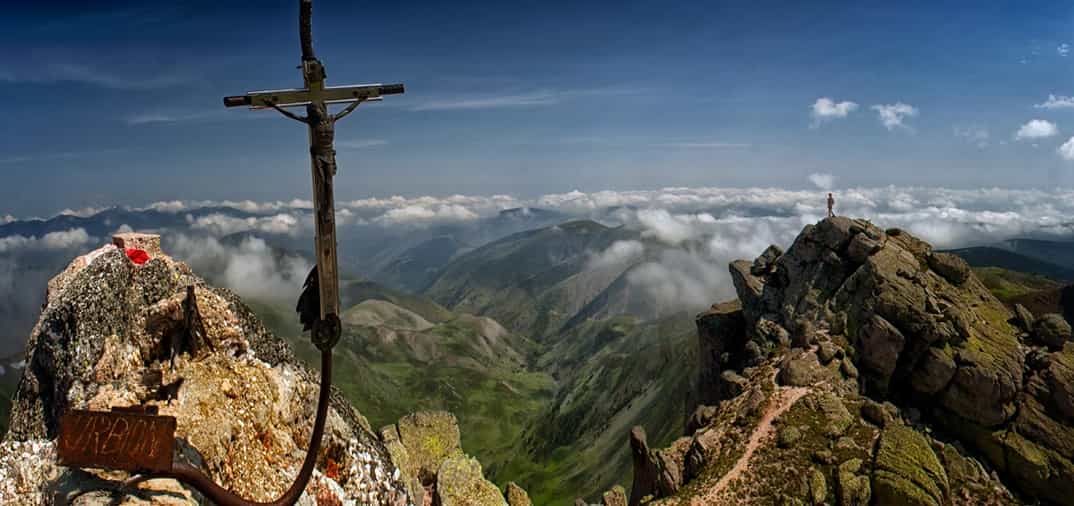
{"points": [[118, 103]]}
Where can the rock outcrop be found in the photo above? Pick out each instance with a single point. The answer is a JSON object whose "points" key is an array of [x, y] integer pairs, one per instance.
{"points": [[862, 367], [434, 467], [115, 333]]}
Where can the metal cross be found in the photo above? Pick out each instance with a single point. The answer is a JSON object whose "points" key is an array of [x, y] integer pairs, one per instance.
{"points": [[316, 97], [141, 441]]}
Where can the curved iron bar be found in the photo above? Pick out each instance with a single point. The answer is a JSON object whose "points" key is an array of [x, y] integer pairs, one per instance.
{"points": [[192, 476]]}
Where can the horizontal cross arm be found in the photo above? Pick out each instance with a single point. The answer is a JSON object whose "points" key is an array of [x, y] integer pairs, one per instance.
{"points": [[300, 96]]}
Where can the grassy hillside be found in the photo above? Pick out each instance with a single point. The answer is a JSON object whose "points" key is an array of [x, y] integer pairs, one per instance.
{"points": [[416, 268], [1008, 285], [420, 356], [614, 374], [534, 281], [987, 256]]}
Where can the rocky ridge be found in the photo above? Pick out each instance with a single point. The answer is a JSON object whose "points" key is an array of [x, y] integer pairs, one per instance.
{"points": [[112, 335], [862, 367]]}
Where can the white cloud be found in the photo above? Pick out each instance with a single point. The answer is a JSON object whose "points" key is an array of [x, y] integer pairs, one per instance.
{"points": [[1063, 49], [538, 98], [892, 115], [250, 206], [60, 240], [419, 214], [671, 228], [1057, 102], [251, 269], [1067, 149], [826, 109], [975, 135], [1036, 129], [94, 76], [824, 181], [619, 254], [85, 212], [221, 224]]}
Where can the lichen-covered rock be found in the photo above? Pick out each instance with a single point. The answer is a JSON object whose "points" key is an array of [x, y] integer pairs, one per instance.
{"points": [[907, 470], [516, 495], [110, 336], [1052, 330], [702, 416], [952, 267], [788, 436], [818, 487], [1024, 318], [430, 437], [461, 482], [801, 369], [852, 489], [935, 371], [875, 318], [614, 497]]}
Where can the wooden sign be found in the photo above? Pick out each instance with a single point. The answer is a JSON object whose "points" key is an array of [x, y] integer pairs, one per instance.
{"points": [[123, 440]]}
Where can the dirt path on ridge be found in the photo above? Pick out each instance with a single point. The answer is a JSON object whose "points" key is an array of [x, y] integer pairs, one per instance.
{"points": [[782, 400]]}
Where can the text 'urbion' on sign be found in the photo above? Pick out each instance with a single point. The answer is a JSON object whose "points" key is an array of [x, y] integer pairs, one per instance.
{"points": [[125, 441]]}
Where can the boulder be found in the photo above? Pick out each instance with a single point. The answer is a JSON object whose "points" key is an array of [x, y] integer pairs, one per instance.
{"points": [[764, 263], [1052, 330], [818, 487], [788, 436], [951, 266], [430, 437], [934, 371], [749, 287], [720, 331], [517, 496], [837, 418], [907, 470], [828, 351], [1024, 318], [852, 489], [461, 482], [732, 384], [701, 417], [861, 247], [800, 369], [879, 345], [614, 497], [645, 472]]}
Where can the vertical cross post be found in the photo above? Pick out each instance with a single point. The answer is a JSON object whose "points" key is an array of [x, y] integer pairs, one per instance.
{"points": [[326, 330]]}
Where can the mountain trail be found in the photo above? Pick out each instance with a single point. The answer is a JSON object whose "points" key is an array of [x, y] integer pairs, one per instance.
{"points": [[783, 399]]}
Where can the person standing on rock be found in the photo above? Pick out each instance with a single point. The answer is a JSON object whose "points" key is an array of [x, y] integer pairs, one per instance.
{"points": [[831, 205]]}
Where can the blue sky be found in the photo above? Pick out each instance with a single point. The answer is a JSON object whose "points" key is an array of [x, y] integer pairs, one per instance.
{"points": [[120, 102]]}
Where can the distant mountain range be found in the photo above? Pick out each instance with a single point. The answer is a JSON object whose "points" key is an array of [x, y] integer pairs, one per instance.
{"points": [[1024, 255], [546, 350]]}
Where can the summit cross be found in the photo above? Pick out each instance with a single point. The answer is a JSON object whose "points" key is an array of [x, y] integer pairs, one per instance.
{"points": [[316, 97]]}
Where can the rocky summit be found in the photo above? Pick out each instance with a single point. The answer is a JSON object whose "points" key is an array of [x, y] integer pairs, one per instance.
{"points": [[111, 334], [862, 367]]}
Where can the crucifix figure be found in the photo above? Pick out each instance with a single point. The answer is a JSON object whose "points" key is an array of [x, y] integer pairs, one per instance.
{"points": [[319, 303], [322, 289]]}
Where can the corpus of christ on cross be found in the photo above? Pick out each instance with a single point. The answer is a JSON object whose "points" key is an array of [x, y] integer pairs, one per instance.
{"points": [[136, 439], [321, 122]]}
